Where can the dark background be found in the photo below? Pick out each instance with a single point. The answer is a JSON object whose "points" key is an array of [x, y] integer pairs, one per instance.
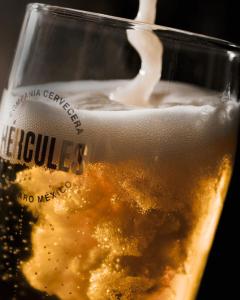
{"points": [[219, 18]]}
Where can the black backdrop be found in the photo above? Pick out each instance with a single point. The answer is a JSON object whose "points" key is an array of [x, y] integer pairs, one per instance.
{"points": [[219, 18]]}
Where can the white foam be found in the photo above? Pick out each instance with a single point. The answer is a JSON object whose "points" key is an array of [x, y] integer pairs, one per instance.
{"points": [[186, 119]]}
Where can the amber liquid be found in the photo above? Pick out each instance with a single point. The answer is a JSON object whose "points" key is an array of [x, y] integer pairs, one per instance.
{"points": [[120, 231]]}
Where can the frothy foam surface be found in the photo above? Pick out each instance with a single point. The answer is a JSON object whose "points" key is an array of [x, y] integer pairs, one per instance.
{"points": [[177, 118]]}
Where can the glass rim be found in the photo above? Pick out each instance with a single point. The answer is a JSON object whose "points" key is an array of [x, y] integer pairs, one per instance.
{"points": [[131, 24]]}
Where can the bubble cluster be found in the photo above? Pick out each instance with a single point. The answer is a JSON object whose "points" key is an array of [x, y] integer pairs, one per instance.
{"points": [[88, 246]]}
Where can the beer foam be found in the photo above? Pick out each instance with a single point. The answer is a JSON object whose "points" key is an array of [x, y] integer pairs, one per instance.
{"points": [[177, 118]]}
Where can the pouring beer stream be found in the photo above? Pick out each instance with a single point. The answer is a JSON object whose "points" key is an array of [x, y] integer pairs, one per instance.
{"points": [[139, 90]]}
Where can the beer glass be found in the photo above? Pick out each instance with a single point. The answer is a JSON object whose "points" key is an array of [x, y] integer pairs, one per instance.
{"points": [[103, 199]]}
